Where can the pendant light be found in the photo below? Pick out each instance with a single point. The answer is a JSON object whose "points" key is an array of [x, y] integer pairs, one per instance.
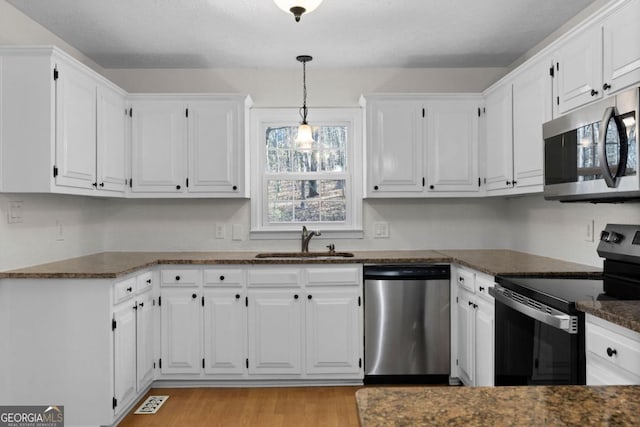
{"points": [[298, 7], [304, 139]]}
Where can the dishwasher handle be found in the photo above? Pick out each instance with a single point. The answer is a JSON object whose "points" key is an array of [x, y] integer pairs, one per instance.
{"points": [[407, 272]]}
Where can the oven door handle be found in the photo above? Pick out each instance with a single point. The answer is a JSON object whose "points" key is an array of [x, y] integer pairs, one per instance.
{"points": [[559, 321]]}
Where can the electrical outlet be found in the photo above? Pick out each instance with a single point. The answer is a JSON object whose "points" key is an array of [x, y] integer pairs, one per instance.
{"points": [[220, 231], [588, 231], [381, 230], [14, 214], [237, 232], [59, 231]]}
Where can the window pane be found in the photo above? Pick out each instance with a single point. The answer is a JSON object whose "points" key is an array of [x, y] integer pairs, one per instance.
{"points": [[328, 152], [306, 200]]}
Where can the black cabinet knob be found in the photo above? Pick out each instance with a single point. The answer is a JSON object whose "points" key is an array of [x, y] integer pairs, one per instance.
{"points": [[148, 280], [481, 288], [141, 304], [431, 187], [178, 187], [129, 289], [611, 351], [375, 187], [475, 305], [221, 278], [606, 86], [177, 278], [102, 184], [461, 279], [309, 297], [470, 303], [508, 182], [194, 296], [95, 184], [594, 92], [295, 296], [235, 187], [237, 296]]}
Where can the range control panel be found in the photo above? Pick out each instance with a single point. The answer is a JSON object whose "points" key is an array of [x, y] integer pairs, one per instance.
{"points": [[620, 241]]}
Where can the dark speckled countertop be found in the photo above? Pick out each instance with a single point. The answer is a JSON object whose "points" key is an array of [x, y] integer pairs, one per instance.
{"points": [[499, 406], [623, 313], [492, 262]]}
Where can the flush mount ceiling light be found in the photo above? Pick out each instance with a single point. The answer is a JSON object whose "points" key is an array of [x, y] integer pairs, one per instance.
{"points": [[298, 7], [304, 139]]}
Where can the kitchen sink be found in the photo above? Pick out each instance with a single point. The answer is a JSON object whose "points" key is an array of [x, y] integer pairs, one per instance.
{"points": [[305, 255]]}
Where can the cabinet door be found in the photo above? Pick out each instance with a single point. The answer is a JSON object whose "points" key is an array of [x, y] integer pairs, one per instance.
{"points": [[181, 331], [124, 350], [214, 147], [484, 343], [158, 146], [579, 70], [275, 331], [499, 146], [621, 54], [452, 129], [532, 106], [332, 332], [144, 341], [75, 128], [224, 332], [395, 139], [466, 330], [111, 140]]}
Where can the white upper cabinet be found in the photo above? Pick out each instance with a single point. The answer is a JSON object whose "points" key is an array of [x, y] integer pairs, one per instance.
{"points": [[601, 58], [395, 147], [621, 47], [532, 107], [498, 139], [452, 148], [188, 146], [63, 125], [421, 145]]}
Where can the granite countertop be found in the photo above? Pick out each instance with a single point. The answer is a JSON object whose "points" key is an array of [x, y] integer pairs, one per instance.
{"points": [[492, 262], [499, 406], [623, 313]]}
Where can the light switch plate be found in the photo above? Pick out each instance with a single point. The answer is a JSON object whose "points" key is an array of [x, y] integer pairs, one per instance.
{"points": [[381, 230], [14, 214], [220, 230]]}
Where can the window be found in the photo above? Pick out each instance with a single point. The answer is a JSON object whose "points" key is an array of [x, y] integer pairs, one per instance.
{"points": [[318, 186]]}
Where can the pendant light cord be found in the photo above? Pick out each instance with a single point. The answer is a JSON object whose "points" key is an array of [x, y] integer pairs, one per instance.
{"points": [[304, 93]]}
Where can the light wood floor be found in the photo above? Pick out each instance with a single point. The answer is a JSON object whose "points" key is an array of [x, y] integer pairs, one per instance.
{"points": [[289, 406]]}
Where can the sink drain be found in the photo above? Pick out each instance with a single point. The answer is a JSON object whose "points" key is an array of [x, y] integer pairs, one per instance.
{"points": [[151, 405]]}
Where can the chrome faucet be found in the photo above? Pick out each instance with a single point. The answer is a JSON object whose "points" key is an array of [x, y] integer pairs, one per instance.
{"points": [[306, 237]]}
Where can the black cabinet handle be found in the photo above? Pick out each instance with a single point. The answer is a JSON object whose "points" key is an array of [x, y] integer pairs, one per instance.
{"points": [[102, 184], [221, 278], [235, 187], [475, 305], [611, 351], [129, 289], [461, 279], [141, 304], [178, 187], [431, 187], [194, 296], [237, 296], [514, 182], [309, 297], [375, 187], [295, 296], [95, 184], [508, 182], [177, 278], [481, 288], [594, 92], [470, 303], [606, 86], [148, 280]]}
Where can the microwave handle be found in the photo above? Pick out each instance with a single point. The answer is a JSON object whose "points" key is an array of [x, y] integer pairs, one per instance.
{"points": [[611, 180]]}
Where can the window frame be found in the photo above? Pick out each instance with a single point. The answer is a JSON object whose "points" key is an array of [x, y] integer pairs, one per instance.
{"points": [[261, 119]]}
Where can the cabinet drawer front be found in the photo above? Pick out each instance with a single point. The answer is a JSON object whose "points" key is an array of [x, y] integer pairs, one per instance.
{"points": [[614, 348], [465, 279], [179, 277], [351, 276], [223, 277], [144, 282], [124, 289], [275, 277]]}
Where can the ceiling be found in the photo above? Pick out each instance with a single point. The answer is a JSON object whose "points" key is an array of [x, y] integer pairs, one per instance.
{"points": [[339, 34]]}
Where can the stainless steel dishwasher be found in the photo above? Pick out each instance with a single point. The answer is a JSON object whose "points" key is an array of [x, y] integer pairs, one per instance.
{"points": [[407, 323]]}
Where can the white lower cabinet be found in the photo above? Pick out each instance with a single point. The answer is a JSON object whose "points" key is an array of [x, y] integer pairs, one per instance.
{"points": [[262, 323], [472, 319], [613, 353], [124, 351]]}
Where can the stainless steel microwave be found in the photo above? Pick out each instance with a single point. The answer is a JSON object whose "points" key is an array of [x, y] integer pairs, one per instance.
{"points": [[591, 154]]}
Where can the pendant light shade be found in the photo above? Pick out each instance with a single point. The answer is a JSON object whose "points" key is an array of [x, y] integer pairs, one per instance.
{"points": [[298, 7], [304, 139]]}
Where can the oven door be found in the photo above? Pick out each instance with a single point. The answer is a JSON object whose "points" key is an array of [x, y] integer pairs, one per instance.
{"points": [[592, 153], [535, 344]]}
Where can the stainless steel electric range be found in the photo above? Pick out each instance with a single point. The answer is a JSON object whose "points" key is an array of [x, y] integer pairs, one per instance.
{"points": [[539, 333]]}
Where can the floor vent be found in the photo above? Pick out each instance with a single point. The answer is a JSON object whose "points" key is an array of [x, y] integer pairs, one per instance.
{"points": [[151, 405]]}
